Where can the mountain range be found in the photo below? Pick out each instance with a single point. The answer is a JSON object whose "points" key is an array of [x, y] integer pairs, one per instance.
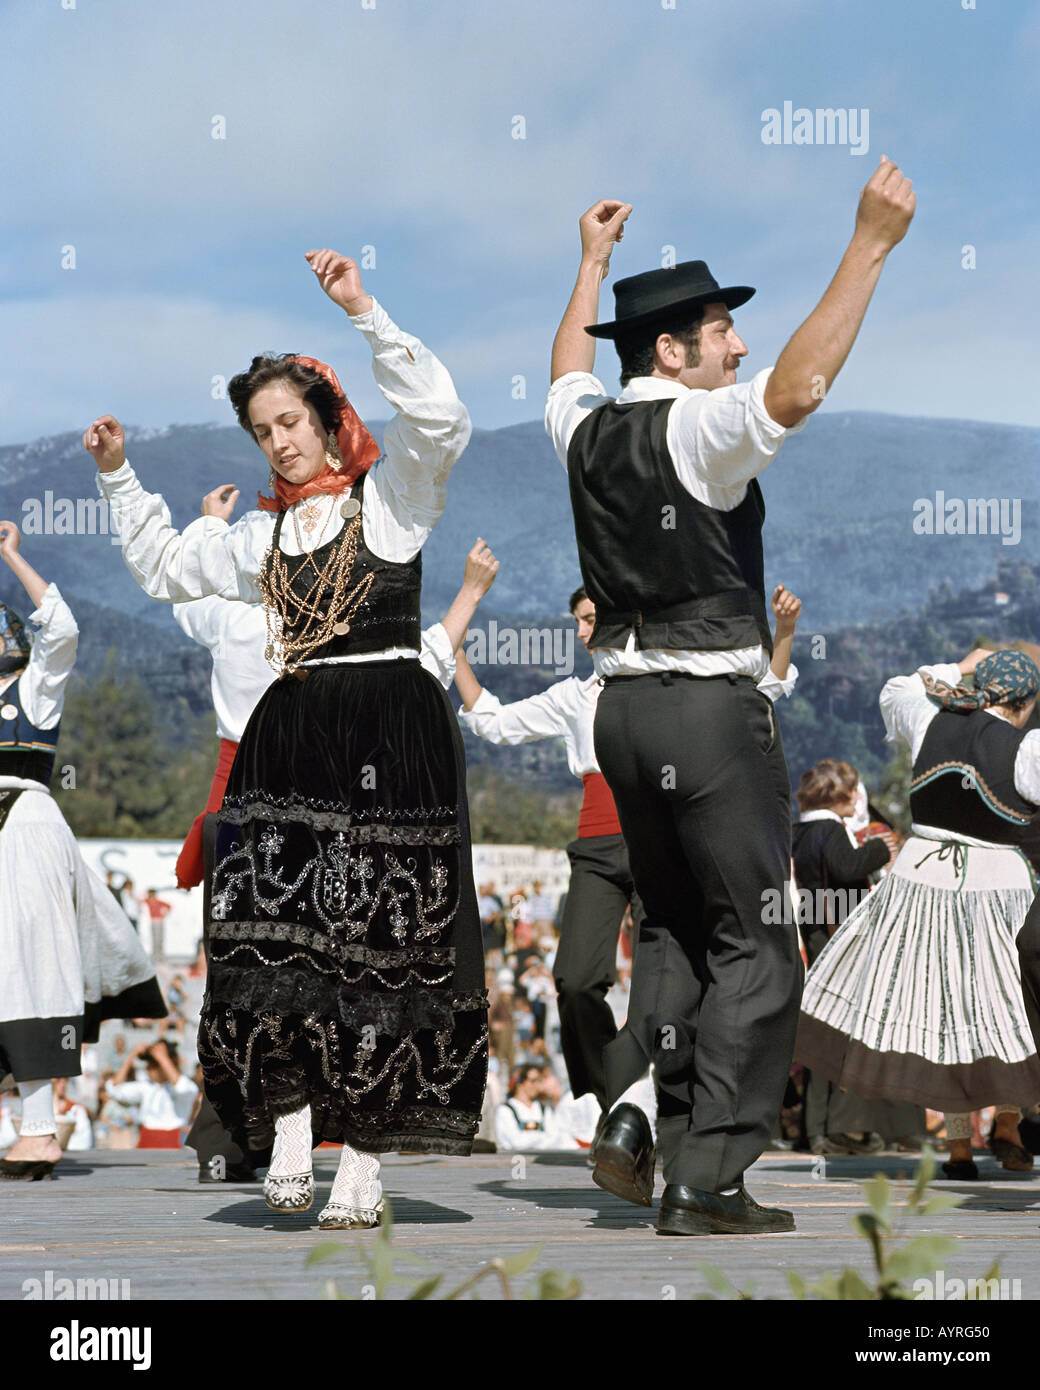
{"points": [[855, 507]]}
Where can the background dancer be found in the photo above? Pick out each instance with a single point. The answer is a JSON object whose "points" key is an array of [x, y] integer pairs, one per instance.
{"points": [[668, 516], [837, 872], [918, 996], [599, 892], [69, 955], [345, 998]]}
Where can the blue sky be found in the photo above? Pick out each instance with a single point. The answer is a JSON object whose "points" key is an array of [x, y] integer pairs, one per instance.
{"points": [[391, 126]]}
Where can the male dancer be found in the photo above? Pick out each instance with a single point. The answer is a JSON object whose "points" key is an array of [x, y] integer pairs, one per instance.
{"points": [[668, 516], [600, 891]]}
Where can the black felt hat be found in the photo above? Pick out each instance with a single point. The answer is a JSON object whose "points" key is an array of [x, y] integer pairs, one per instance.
{"points": [[643, 299]]}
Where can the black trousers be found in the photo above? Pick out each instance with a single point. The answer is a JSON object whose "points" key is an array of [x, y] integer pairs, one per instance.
{"points": [[1028, 941], [600, 890], [698, 774]]}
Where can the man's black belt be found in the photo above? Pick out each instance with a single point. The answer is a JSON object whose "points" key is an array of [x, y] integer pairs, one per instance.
{"points": [[734, 603]]}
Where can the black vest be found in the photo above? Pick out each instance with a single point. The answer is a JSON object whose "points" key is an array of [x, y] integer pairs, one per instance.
{"points": [[388, 616], [964, 777], [690, 577], [25, 750]]}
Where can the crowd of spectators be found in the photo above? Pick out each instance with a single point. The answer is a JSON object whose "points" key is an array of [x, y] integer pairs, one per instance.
{"points": [[141, 1080]]}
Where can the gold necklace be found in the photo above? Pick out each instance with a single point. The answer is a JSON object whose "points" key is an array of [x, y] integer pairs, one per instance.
{"points": [[317, 614], [309, 523]]}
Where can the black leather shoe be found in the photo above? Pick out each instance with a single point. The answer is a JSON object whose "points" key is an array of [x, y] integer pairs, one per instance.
{"points": [[604, 1116], [625, 1155], [961, 1170], [686, 1211]]}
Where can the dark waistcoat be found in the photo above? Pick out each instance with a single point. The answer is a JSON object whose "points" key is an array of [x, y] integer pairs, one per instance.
{"points": [[25, 750], [655, 560], [964, 777]]}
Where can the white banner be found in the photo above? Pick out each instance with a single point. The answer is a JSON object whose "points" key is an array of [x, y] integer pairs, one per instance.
{"points": [[151, 864]]}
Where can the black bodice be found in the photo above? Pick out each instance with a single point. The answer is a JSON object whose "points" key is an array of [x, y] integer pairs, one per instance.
{"points": [[389, 614]]}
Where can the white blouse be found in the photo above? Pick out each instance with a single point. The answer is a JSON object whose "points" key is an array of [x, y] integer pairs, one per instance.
{"points": [[41, 686], [405, 490], [566, 710]]}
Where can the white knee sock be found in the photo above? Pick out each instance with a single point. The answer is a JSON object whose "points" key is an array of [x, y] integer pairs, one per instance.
{"points": [[357, 1180], [958, 1125], [37, 1109], [292, 1144]]}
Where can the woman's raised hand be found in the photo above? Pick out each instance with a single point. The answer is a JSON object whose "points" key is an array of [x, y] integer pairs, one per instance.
{"points": [[340, 278], [10, 539], [104, 440], [220, 502]]}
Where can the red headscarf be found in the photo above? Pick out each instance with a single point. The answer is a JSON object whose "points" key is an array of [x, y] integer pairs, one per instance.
{"points": [[357, 446]]}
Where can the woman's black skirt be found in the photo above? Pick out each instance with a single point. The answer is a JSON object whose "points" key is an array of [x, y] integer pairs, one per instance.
{"points": [[346, 967]]}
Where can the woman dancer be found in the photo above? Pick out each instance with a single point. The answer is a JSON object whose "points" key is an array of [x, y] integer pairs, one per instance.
{"points": [[918, 995], [69, 954], [345, 998]]}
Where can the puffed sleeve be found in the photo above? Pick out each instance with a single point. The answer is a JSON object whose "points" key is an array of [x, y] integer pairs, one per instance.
{"points": [[407, 489], [209, 557], [41, 687]]}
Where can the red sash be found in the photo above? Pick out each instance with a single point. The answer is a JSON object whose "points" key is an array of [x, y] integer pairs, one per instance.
{"points": [[598, 812], [190, 866]]}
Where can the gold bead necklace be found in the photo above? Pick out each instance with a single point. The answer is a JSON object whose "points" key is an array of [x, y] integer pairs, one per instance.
{"points": [[318, 614]]}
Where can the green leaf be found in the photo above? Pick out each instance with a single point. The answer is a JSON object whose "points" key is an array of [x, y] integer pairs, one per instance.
{"points": [[796, 1284], [330, 1290], [853, 1288], [925, 1173], [941, 1201], [865, 1223], [553, 1285], [921, 1256], [715, 1279], [826, 1288], [426, 1288], [514, 1265], [318, 1254], [878, 1192]]}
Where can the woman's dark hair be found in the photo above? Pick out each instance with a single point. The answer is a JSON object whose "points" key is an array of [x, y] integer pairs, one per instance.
{"points": [[313, 387], [828, 782], [577, 597], [636, 349]]}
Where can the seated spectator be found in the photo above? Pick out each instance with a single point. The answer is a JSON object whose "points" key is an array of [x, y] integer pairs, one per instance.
{"points": [[116, 1126], [165, 1099], [527, 1120]]}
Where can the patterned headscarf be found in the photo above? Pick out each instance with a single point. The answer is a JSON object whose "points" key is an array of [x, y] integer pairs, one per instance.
{"points": [[15, 643], [1005, 675], [356, 445]]}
